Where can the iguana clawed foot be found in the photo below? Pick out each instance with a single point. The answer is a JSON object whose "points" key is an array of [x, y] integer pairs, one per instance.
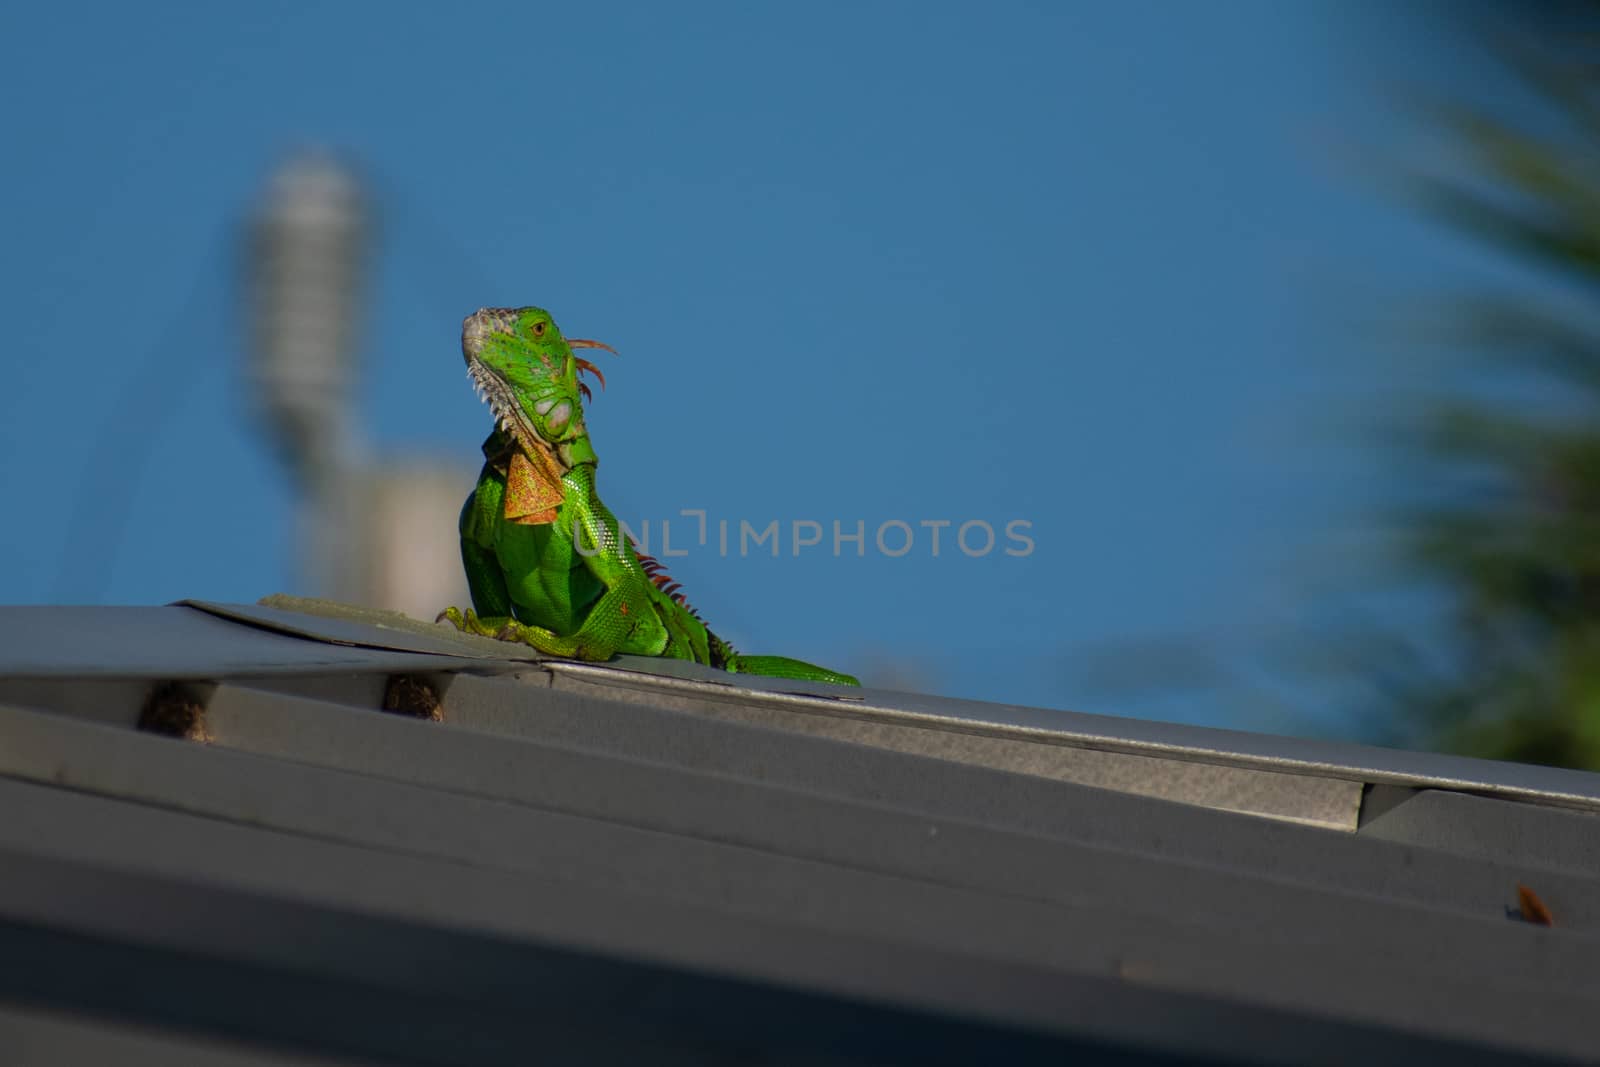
{"points": [[505, 628], [501, 629], [465, 621]]}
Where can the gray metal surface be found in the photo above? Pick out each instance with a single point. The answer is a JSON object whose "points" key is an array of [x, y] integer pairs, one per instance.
{"points": [[1174, 744], [169, 642], [1533, 838], [341, 624], [43, 1038], [595, 819], [888, 720], [128, 874], [600, 860], [1291, 778]]}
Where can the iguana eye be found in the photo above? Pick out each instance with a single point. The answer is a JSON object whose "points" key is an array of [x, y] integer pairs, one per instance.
{"points": [[538, 329]]}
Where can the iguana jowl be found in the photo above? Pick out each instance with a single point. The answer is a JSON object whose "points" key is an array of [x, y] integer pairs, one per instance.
{"points": [[529, 581]]}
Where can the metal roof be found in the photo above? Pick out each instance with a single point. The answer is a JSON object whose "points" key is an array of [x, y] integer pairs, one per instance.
{"points": [[217, 848]]}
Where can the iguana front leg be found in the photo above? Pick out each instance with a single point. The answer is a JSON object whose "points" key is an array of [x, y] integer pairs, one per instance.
{"points": [[620, 619], [506, 628], [493, 617], [486, 583]]}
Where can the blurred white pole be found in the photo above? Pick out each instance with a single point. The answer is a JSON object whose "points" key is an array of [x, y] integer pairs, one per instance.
{"points": [[412, 561], [308, 264], [376, 534]]}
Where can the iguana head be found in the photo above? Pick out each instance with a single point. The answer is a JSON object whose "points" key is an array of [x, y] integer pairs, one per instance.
{"points": [[526, 372]]}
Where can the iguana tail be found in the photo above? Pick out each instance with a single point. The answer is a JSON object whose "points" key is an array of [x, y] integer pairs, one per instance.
{"points": [[784, 667]]}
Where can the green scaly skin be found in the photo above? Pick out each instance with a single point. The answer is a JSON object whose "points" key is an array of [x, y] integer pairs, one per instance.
{"points": [[528, 580]]}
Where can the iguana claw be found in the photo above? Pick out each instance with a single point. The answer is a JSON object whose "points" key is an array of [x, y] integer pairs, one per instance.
{"points": [[465, 621]]}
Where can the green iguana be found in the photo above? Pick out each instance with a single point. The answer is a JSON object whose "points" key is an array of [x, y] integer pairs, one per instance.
{"points": [[529, 580]]}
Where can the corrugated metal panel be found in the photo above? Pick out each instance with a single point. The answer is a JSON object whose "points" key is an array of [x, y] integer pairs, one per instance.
{"points": [[798, 872]]}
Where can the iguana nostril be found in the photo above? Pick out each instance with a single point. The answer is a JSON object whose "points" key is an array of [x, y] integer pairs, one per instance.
{"points": [[474, 331]]}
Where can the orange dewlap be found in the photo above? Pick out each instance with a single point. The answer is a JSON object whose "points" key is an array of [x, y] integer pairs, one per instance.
{"points": [[533, 489]]}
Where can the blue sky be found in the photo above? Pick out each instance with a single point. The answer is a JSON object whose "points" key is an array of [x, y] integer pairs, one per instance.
{"points": [[1107, 268]]}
